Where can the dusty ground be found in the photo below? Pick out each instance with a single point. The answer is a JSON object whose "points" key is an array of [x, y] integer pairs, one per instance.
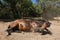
{"points": [[55, 29]]}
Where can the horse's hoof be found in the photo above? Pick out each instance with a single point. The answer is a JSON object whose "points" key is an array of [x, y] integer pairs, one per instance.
{"points": [[8, 35], [42, 34]]}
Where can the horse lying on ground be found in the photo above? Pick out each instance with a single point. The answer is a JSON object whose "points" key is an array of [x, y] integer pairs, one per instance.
{"points": [[28, 25]]}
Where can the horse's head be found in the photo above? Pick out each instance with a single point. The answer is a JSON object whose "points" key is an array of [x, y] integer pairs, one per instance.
{"points": [[48, 24]]}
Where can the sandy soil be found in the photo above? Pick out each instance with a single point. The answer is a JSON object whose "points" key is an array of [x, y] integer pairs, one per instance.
{"points": [[55, 29]]}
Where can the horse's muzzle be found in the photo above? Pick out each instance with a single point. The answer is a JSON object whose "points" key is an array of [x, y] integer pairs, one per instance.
{"points": [[48, 24]]}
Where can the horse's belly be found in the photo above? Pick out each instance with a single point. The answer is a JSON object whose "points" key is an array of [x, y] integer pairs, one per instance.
{"points": [[23, 26]]}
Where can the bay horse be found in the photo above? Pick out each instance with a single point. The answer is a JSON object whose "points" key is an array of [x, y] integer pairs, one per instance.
{"points": [[28, 25]]}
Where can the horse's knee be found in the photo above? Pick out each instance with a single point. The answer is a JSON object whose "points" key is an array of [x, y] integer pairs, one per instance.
{"points": [[46, 29]]}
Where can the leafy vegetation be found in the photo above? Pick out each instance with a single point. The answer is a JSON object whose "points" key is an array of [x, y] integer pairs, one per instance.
{"points": [[13, 9]]}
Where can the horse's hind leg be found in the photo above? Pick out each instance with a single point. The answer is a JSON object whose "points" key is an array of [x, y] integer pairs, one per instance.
{"points": [[43, 28], [9, 30], [9, 33]]}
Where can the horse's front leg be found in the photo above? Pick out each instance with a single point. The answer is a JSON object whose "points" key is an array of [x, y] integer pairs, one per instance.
{"points": [[46, 29], [43, 28]]}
